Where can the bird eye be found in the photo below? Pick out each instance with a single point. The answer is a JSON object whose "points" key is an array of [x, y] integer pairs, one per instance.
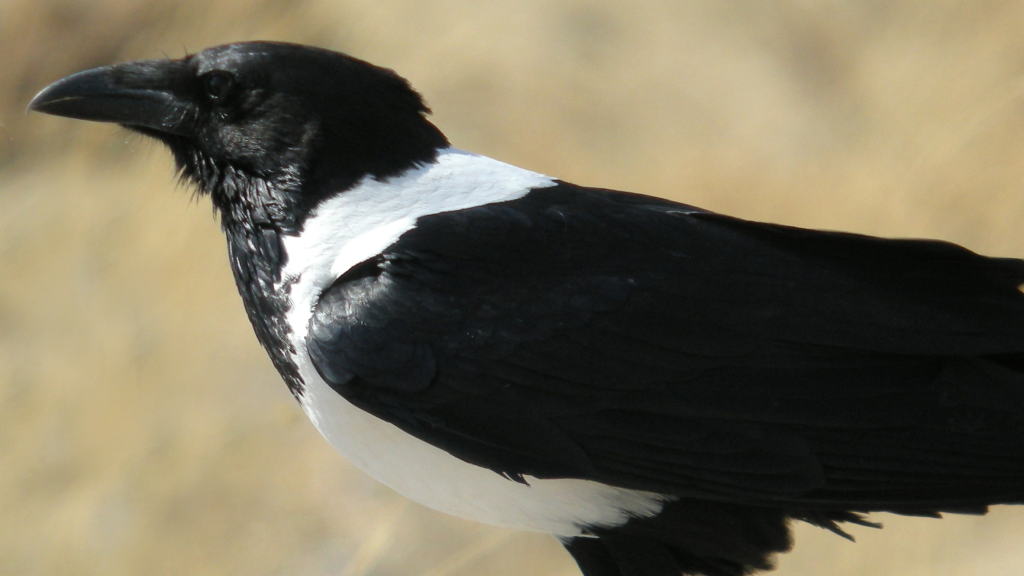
{"points": [[218, 85]]}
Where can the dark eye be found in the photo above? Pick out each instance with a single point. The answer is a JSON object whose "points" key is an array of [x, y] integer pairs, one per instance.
{"points": [[218, 85]]}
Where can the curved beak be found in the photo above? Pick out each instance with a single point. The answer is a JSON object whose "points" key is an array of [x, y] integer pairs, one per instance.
{"points": [[135, 95]]}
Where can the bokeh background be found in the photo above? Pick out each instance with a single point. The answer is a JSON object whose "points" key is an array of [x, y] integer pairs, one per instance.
{"points": [[142, 430]]}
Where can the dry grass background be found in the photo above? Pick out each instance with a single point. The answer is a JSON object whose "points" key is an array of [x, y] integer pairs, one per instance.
{"points": [[142, 431]]}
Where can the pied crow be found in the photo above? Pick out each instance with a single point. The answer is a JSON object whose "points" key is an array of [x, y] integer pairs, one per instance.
{"points": [[661, 387]]}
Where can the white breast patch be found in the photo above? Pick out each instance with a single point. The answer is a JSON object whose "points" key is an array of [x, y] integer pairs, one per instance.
{"points": [[361, 223]]}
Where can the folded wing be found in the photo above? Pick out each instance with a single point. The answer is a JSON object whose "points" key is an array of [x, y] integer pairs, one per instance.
{"points": [[603, 335]]}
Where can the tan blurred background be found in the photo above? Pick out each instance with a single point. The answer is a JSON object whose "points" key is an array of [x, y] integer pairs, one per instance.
{"points": [[142, 430]]}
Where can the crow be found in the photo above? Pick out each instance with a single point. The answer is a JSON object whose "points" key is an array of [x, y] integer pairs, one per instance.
{"points": [[663, 388]]}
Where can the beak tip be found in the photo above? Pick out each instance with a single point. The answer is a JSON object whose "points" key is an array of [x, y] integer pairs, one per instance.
{"points": [[37, 101], [53, 94]]}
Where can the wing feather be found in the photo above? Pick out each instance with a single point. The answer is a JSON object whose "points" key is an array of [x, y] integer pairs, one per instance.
{"points": [[589, 333]]}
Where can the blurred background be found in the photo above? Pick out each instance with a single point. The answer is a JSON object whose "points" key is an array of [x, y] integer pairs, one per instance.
{"points": [[142, 429]]}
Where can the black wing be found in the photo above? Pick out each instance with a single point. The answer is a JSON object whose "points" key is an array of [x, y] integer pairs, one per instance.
{"points": [[597, 334], [630, 340], [759, 372]]}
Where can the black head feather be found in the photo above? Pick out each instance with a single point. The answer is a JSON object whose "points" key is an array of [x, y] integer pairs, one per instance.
{"points": [[266, 129]]}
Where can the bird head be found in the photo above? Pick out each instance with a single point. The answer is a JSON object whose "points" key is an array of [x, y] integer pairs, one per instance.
{"points": [[261, 125]]}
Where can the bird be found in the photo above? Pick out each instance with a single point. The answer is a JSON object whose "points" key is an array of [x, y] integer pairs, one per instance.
{"points": [[663, 388]]}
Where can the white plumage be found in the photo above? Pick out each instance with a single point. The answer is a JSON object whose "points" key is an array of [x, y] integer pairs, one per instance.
{"points": [[361, 223]]}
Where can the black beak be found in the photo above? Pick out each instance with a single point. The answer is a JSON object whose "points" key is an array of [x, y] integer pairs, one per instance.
{"points": [[136, 95]]}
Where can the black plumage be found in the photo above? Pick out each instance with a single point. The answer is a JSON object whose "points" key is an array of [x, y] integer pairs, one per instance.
{"points": [[751, 373], [694, 337], [757, 366]]}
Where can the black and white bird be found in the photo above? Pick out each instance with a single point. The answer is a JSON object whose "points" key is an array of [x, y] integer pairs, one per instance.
{"points": [[662, 388]]}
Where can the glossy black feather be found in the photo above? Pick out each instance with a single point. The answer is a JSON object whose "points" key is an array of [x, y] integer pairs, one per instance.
{"points": [[762, 373], [588, 333]]}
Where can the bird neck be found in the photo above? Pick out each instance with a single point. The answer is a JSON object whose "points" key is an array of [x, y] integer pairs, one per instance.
{"points": [[257, 259]]}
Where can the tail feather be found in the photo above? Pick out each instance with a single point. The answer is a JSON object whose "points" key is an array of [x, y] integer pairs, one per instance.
{"points": [[628, 555], [688, 537]]}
